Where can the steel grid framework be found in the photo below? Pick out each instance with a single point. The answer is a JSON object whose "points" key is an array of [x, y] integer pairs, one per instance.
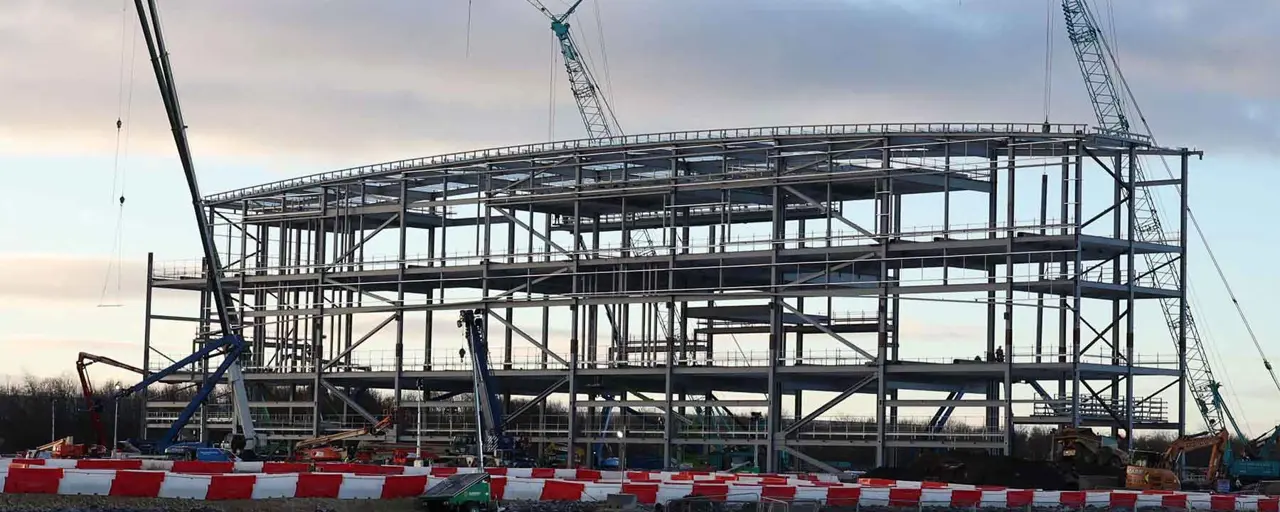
{"points": [[758, 232]]}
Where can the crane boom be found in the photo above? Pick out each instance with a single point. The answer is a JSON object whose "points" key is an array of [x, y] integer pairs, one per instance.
{"points": [[600, 123], [232, 343], [489, 413], [1096, 65], [594, 108]]}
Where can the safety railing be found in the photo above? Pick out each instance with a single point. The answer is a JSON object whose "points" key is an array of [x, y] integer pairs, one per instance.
{"points": [[1030, 355], [1151, 410], [530, 358], [680, 136], [193, 268]]}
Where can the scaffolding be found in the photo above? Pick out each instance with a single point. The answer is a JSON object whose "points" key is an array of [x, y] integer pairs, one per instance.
{"points": [[780, 254]]}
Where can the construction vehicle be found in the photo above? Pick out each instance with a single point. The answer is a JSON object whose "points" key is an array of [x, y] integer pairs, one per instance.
{"points": [[193, 451], [95, 405], [491, 439], [1088, 460], [321, 449], [1114, 106], [66, 448], [227, 341], [1081, 447], [1161, 476], [465, 492]]}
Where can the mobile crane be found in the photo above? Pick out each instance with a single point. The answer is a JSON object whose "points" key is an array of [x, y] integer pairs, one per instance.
{"points": [[229, 342], [1108, 93], [490, 437]]}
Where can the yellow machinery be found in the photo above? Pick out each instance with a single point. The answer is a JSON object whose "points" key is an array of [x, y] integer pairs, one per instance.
{"points": [[1160, 475], [1086, 449]]}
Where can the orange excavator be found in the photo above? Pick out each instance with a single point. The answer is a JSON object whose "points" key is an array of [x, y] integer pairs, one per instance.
{"points": [[321, 449], [1160, 475]]}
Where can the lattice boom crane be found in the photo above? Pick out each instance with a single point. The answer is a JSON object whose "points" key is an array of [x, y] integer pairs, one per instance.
{"points": [[600, 122], [1105, 94]]}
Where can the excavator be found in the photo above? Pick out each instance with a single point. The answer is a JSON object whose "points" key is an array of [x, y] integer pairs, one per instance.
{"points": [[321, 449], [1159, 475]]}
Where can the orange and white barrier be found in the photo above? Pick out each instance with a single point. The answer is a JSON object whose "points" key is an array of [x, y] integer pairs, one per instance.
{"points": [[259, 480], [200, 467], [139, 483]]}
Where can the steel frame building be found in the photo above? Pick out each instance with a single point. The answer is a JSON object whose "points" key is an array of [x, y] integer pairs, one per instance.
{"points": [[630, 264]]}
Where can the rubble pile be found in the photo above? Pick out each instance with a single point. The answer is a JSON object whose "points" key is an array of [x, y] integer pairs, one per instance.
{"points": [[982, 469]]}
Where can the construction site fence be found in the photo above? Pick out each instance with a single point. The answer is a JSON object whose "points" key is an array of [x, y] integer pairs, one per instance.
{"points": [[28, 479]]}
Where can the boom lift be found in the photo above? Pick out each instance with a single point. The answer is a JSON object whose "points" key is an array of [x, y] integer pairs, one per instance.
{"points": [[86, 387], [318, 449], [230, 345]]}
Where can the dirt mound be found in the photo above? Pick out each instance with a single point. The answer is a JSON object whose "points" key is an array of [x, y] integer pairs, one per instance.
{"points": [[981, 469]]}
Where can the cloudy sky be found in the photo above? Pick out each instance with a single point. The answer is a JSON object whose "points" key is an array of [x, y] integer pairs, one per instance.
{"points": [[277, 89]]}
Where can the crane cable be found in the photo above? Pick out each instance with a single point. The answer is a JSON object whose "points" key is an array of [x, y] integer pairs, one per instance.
{"points": [[1204, 241], [551, 94], [604, 56], [124, 106], [1048, 58], [468, 50]]}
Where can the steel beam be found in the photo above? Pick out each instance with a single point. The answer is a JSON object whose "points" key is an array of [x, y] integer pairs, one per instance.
{"points": [[347, 400]]}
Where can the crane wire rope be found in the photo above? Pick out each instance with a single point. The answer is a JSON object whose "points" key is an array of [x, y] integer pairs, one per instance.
{"points": [[468, 49], [604, 55], [1048, 58], [119, 178], [551, 94], [1195, 223]]}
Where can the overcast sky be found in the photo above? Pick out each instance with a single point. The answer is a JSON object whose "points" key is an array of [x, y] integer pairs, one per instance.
{"points": [[277, 89]]}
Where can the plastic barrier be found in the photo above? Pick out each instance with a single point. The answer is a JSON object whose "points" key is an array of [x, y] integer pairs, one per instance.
{"points": [[33, 479], [17, 479], [210, 468]]}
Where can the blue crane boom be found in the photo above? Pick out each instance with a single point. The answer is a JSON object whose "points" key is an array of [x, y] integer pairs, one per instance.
{"points": [[231, 344], [1109, 108], [489, 413]]}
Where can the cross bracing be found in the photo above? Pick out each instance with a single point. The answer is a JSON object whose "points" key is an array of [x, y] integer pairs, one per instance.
{"points": [[764, 241]]}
